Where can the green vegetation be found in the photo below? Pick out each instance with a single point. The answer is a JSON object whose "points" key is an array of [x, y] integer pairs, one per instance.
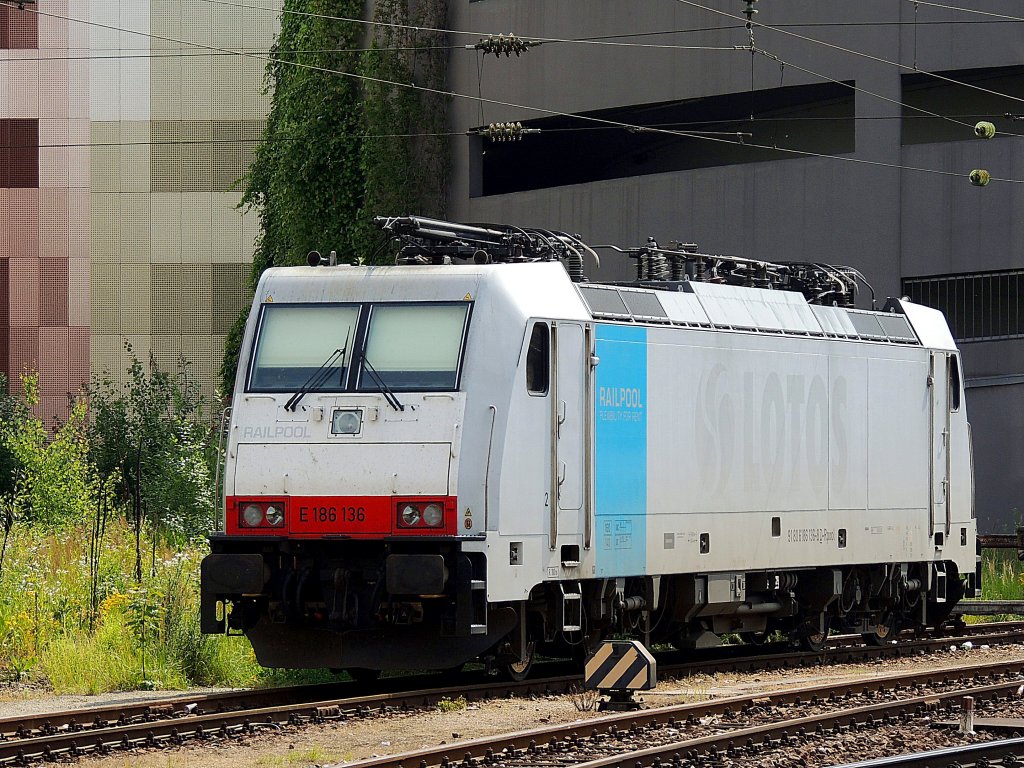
{"points": [[451, 705], [306, 181], [351, 134], [404, 158], [1002, 578], [1002, 575], [104, 517]]}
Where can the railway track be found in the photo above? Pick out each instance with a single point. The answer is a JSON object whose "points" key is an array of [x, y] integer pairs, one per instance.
{"points": [[230, 714], [737, 731], [989, 754]]}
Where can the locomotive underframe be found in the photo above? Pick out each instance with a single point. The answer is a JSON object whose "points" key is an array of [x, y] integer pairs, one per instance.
{"points": [[393, 604]]}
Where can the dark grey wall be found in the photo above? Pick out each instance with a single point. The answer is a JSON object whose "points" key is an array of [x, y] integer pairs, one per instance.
{"points": [[889, 222]]}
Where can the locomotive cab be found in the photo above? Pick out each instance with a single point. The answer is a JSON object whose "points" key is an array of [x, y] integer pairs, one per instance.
{"points": [[354, 532]]}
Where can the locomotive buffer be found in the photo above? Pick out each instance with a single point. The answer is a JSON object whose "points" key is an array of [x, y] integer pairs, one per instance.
{"points": [[618, 668]]}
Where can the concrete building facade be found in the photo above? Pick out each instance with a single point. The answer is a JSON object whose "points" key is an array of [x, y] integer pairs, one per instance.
{"points": [[123, 131], [876, 176]]}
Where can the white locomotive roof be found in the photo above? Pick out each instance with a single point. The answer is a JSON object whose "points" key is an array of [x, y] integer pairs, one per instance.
{"points": [[740, 307], [748, 309], [543, 289], [532, 289], [929, 324]]}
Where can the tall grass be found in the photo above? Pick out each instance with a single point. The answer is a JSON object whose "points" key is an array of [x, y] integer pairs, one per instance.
{"points": [[144, 636], [1002, 575]]}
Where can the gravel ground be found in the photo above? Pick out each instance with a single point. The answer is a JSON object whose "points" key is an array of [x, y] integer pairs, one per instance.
{"points": [[18, 700], [339, 743]]}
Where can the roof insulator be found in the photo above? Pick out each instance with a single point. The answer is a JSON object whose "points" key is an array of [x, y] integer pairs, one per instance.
{"points": [[500, 44], [502, 131]]}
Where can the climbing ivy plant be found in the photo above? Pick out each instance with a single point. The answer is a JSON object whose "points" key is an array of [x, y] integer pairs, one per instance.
{"points": [[306, 180], [338, 150], [404, 154]]}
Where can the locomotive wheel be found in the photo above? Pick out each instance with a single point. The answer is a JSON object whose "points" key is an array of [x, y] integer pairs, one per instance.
{"points": [[814, 641], [517, 671], [885, 630], [755, 638]]}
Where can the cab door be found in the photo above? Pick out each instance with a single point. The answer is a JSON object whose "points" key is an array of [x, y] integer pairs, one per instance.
{"points": [[938, 379], [569, 428]]}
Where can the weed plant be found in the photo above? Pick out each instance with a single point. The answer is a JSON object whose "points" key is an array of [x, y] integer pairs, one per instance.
{"points": [[1002, 577], [451, 705], [143, 636]]}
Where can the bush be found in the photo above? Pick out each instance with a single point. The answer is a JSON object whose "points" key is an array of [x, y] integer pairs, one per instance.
{"points": [[144, 636], [79, 505], [53, 483]]}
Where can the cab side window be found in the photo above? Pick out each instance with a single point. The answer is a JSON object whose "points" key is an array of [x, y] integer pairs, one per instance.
{"points": [[538, 360], [954, 383]]}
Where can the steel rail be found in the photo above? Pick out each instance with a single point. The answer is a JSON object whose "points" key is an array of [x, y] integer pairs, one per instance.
{"points": [[782, 732], [966, 754], [842, 649], [100, 729], [500, 749]]}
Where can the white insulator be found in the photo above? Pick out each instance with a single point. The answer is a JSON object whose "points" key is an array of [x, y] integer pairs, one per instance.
{"points": [[984, 130], [980, 177]]}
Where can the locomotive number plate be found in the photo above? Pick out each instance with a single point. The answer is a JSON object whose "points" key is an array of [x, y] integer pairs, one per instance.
{"points": [[350, 515]]}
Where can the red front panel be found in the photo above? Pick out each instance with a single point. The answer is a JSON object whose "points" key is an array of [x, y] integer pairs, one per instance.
{"points": [[363, 517]]}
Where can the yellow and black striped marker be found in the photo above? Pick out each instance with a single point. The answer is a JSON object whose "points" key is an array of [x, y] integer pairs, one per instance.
{"points": [[621, 665]]}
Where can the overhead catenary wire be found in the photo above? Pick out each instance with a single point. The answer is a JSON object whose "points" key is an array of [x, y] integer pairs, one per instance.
{"points": [[751, 47], [201, 54], [146, 53], [441, 30], [851, 51], [999, 16], [675, 126], [590, 39], [513, 105], [858, 89], [745, 24]]}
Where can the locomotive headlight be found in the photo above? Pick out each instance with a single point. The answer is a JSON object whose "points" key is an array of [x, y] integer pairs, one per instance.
{"points": [[252, 515], [275, 515], [346, 422], [410, 515], [433, 515]]}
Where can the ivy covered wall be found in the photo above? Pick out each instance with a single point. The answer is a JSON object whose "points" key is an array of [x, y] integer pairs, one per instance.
{"points": [[347, 139]]}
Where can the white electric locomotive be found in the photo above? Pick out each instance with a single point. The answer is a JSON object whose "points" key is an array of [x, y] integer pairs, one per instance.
{"points": [[477, 454]]}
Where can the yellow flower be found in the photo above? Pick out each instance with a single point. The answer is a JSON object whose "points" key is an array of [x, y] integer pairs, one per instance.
{"points": [[113, 603]]}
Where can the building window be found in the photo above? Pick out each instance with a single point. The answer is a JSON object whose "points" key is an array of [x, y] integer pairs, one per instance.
{"points": [[18, 29], [809, 118], [19, 153], [969, 104], [977, 306]]}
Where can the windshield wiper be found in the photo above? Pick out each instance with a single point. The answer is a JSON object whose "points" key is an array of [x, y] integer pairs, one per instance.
{"points": [[318, 377], [385, 390]]}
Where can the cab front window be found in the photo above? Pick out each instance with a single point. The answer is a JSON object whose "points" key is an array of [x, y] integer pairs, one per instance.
{"points": [[413, 346], [303, 345]]}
